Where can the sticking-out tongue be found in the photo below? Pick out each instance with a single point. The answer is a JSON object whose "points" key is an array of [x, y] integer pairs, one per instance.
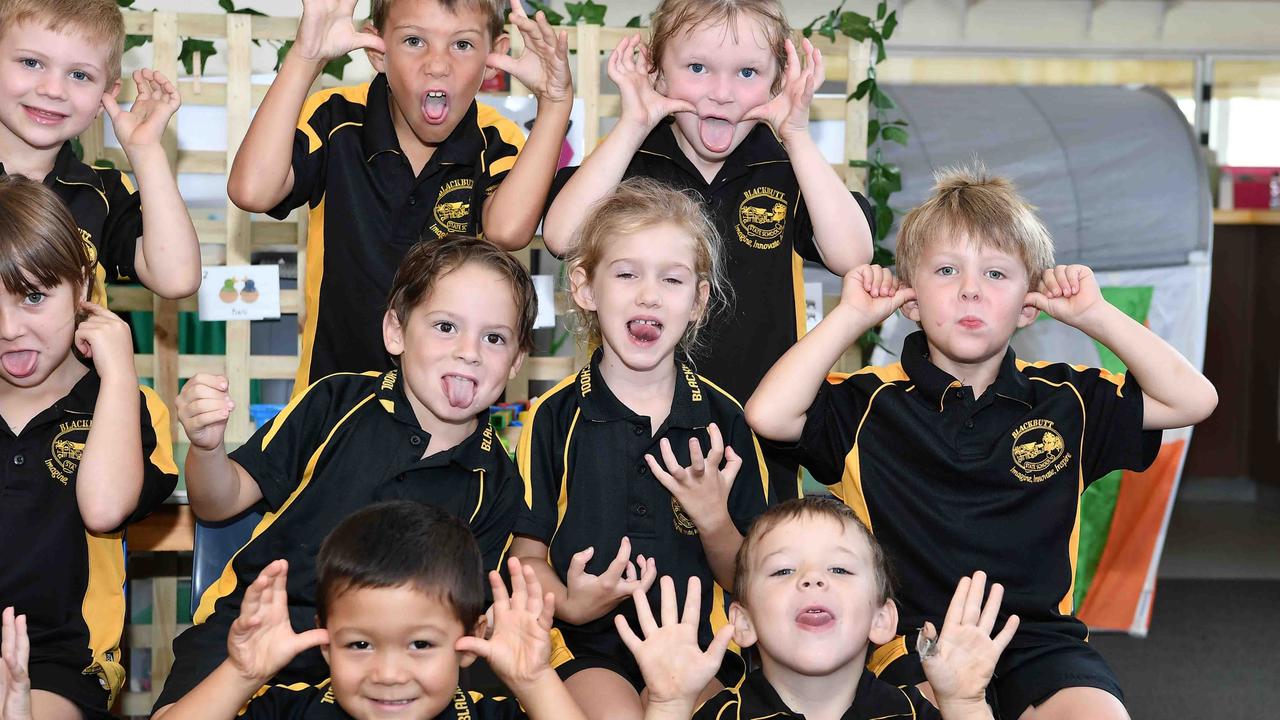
{"points": [[435, 108], [21, 363], [716, 134], [814, 619], [643, 331], [460, 391]]}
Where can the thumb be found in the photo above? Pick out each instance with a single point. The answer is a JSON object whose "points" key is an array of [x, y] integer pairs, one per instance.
{"points": [[732, 464], [111, 106], [497, 61], [369, 41], [82, 342], [578, 563], [677, 106], [1036, 300], [720, 643], [472, 644]]}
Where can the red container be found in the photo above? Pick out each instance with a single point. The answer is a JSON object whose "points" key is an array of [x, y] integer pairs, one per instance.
{"points": [[1251, 186]]}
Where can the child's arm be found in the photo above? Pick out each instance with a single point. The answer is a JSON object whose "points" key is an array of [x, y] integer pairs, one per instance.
{"points": [[959, 663], [586, 597], [1174, 394], [15, 683], [167, 259], [643, 108], [260, 643], [777, 408], [702, 489], [109, 481], [840, 228], [511, 214], [262, 172], [675, 668], [519, 651], [217, 487]]}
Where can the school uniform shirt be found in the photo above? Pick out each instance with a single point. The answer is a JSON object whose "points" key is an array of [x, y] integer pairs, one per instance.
{"points": [[68, 581], [874, 699], [366, 209], [108, 211], [767, 234], [950, 484], [587, 483], [316, 702]]}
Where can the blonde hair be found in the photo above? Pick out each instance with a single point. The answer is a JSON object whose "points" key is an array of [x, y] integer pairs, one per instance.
{"points": [[674, 18], [98, 21], [967, 202], [633, 207], [492, 9]]}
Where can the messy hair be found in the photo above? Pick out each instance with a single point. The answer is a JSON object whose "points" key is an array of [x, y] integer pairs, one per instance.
{"points": [[493, 10], [967, 202], [674, 18], [40, 245], [98, 21]]}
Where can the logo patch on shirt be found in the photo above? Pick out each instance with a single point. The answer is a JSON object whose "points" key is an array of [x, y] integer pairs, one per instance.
{"points": [[681, 520], [1039, 451], [66, 450], [453, 206], [87, 237], [762, 216]]}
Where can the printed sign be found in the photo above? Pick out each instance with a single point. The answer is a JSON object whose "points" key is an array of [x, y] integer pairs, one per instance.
{"points": [[240, 292]]}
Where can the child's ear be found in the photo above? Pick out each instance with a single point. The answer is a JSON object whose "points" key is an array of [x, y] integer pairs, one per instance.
{"points": [[700, 307], [392, 333], [1028, 315], [377, 58], [324, 649], [580, 288], [911, 309], [744, 632], [465, 659], [501, 46], [517, 364], [884, 624]]}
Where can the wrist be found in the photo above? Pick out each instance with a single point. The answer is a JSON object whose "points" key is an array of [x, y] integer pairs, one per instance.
{"points": [[633, 130], [680, 708], [301, 60], [962, 708], [540, 679], [852, 322], [793, 138], [554, 110]]}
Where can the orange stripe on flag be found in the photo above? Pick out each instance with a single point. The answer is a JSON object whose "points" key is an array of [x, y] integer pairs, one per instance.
{"points": [[1135, 528]]}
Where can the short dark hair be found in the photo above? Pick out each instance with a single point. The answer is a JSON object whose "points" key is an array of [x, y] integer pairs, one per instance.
{"points": [[39, 239], [809, 507], [403, 542], [432, 259], [494, 11]]}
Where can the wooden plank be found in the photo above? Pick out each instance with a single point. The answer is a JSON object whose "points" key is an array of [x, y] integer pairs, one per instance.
{"points": [[589, 82], [239, 97], [164, 368], [139, 299], [1246, 217], [213, 25], [171, 528], [164, 623], [855, 115], [208, 162], [263, 367]]}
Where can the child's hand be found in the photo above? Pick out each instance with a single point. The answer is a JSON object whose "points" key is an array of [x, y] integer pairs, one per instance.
{"points": [[326, 31], [106, 339], [519, 648], [262, 640], [642, 105], [961, 661], [788, 111], [203, 409], [1068, 293], [146, 120], [15, 683], [590, 596], [702, 489], [874, 293], [674, 667], [543, 67]]}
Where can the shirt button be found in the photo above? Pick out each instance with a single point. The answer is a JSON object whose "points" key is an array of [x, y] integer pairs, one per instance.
{"points": [[642, 469], [968, 424], [18, 459], [959, 394], [640, 509], [637, 429], [413, 200], [414, 440]]}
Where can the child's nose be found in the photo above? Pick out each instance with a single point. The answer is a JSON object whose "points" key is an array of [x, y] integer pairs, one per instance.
{"points": [[436, 64], [389, 669], [53, 85], [10, 328]]}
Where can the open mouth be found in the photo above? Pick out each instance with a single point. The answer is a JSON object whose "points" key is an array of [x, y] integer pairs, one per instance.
{"points": [[459, 389], [644, 331], [815, 618], [435, 106], [20, 363], [44, 117], [716, 133]]}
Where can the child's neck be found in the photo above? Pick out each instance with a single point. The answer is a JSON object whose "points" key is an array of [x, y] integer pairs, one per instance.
{"points": [[645, 392], [19, 158], [444, 435], [826, 697], [19, 406], [979, 375], [708, 168], [415, 151]]}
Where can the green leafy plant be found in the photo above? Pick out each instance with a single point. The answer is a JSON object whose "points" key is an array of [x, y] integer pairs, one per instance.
{"points": [[553, 17], [586, 11]]}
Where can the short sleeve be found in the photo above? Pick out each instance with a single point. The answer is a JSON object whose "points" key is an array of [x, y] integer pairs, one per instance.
{"points": [[714, 708], [492, 525], [278, 452], [829, 430], [541, 467], [1113, 437], [159, 472], [279, 703], [310, 157], [750, 494], [118, 245], [496, 708], [806, 245], [503, 143]]}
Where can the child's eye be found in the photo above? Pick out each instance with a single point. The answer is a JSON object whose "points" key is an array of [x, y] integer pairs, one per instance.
{"points": [[625, 274], [996, 274], [414, 41], [674, 280], [748, 73], [464, 45], [358, 645], [421, 645], [946, 271], [495, 339], [30, 63], [697, 68], [34, 298], [444, 326], [80, 76], [840, 571], [781, 572]]}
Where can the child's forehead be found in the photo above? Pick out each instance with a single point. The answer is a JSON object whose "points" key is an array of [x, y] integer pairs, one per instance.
{"points": [[811, 533], [968, 244], [416, 606], [82, 46], [455, 291], [743, 32], [435, 15]]}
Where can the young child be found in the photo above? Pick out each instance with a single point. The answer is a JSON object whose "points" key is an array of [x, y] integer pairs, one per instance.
{"points": [[460, 321], [400, 608], [86, 453], [961, 456], [719, 104], [407, 157], [644, 272], [59, 68], [813, 596]]}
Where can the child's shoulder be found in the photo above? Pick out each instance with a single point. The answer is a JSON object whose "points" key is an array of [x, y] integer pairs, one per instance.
{"points": [[471, 704], [297, 700], [326, 110], [1062, 373], [871, 377], [563, 397], [490, 120]]}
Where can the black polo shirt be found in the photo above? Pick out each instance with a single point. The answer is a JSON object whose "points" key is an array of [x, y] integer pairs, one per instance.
{"points": [[874, 699], [108, 211], [764, 223], [70, 582], [367, 209], [951, 484], [316, 702], [587, 483]]}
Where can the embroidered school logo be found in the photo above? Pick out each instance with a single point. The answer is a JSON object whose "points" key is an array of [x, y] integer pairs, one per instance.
{"points": [[453, 206], [762, 216], [87, 237], [1038, 451], [66, 450], [683, 524]]}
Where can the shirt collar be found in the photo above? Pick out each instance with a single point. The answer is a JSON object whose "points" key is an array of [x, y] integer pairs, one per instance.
{"points": [[690, 407], [871, 699], [760, 146], [933, 383], [477, 451], [68, 169], [464, 146]]}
